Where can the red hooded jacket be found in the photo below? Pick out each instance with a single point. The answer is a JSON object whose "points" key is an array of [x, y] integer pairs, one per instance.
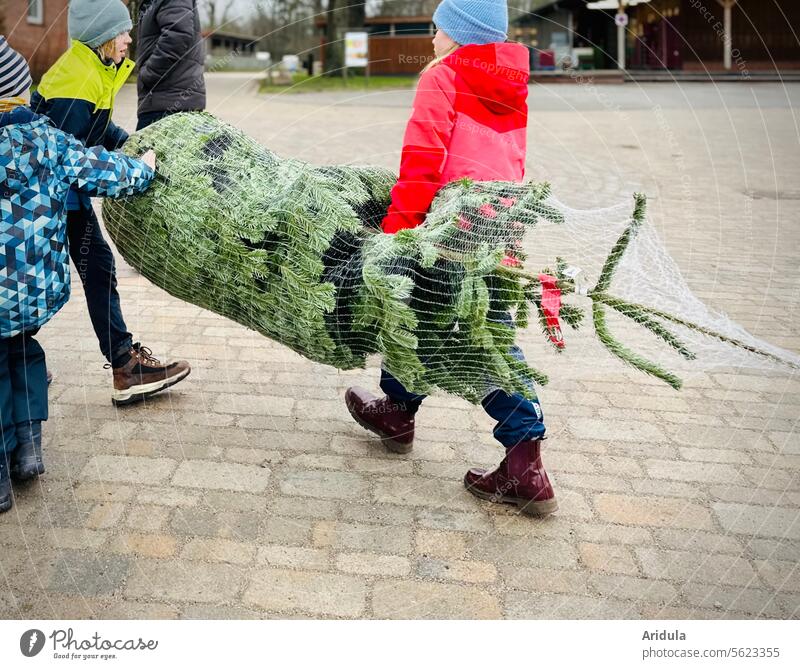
{"points": [[469, 120]]}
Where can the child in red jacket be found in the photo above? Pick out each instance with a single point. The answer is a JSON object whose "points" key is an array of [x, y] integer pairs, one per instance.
{"points": [[469, 120]]}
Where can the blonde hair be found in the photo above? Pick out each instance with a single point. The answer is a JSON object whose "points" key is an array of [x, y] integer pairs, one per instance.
{"points": [[439, 59], [106, 50]]}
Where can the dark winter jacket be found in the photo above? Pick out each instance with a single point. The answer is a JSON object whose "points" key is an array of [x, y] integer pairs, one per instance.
{"points": [[171, 53], [39, 164], [77, 94]]}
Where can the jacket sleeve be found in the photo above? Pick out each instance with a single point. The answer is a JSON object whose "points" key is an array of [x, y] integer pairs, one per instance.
{"points": [[424, 152], [115, 136], [175, 20], [103, 173]]}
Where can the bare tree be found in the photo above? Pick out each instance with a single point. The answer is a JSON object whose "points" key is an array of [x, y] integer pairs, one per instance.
{"points": [[217, 12], [286, 26], [342, 14], [405, 7]]}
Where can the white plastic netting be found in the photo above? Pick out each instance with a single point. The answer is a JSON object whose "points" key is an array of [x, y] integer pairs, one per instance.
{"points": [[295, 252], [646, 274]]}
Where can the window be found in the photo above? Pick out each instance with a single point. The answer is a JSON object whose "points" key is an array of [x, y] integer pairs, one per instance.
{"points": [[36, 12]]}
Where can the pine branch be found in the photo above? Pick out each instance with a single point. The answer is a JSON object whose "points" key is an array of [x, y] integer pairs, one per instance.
{"points": [[706, 331], [610, 266], [640, 317], [626, 355]]}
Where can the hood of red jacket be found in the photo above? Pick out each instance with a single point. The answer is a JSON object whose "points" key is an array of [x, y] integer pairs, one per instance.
{"points": [[497, 74]]}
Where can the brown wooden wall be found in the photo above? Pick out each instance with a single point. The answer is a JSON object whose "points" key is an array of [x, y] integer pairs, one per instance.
{"points": [[42, 44], [399, 55]]}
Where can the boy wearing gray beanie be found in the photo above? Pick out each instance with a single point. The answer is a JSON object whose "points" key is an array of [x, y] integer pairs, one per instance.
{"points": [[95, 22], [77, 94]]}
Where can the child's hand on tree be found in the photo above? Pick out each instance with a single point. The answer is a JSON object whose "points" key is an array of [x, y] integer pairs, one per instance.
{"points": [[149, 159]]}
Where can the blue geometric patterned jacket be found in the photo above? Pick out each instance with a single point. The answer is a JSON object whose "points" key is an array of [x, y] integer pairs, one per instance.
{"points": [[38, 166]]}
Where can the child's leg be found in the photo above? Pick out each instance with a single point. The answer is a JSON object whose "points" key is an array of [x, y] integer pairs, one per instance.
{"points": [[8, 432], [518, 418], [8, 436], [391, 417], [137, 374], [520, 479], [28, 372], [95, 264], [397, 391]]}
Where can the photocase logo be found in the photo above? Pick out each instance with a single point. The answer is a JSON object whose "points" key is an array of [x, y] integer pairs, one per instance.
{"points": [[31, 643]]}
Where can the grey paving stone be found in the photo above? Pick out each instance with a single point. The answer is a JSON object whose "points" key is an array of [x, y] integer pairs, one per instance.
{"points": [[415, 600], [319, 594], [525, 606], [758, 521], [87, 574], [184, 581], [221, 476], [128, 469], [322, 484]]}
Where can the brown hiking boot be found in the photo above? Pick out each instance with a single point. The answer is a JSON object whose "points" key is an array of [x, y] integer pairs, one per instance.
{"points": [[520, 479], [390, 420], [143, 375]]}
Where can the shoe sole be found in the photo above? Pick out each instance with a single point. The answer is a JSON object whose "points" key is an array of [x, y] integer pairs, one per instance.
{"points": [[27, 474], [526, 506], [6, 506], [138, 393], [387, 441]]}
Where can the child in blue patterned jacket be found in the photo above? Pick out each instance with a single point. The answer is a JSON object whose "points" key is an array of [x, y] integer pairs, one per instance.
{"points": [[39, 164]]}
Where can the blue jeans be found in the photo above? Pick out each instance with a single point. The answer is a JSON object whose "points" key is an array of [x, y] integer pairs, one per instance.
{"points": [[23, 387], [94, 261], [518, 418]]}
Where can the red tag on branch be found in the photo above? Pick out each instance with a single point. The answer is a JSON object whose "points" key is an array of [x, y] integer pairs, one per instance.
{"points": [[551, 305]]}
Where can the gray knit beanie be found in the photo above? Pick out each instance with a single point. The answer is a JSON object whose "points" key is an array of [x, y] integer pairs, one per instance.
{"points": [[15, 77], [94, 22]]}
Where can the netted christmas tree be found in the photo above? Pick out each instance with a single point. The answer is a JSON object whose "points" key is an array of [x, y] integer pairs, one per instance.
{"points": [[295, 252]]}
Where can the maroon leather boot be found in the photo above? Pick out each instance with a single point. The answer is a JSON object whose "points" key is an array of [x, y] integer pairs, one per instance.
{"points": [[383, 416], [520, 479]]}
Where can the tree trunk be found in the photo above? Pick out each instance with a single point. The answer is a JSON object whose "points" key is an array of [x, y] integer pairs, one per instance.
{"points": [[342, 15], [334, 46], [133, 8], [356, 15]]}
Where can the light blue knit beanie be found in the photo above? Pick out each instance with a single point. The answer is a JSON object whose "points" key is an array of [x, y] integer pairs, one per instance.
{"points": [[473, 21], [94, 22]]}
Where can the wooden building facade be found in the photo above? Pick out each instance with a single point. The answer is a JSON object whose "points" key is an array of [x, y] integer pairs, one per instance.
{"points": [[397, 44], [675, 34], [690, 35]]}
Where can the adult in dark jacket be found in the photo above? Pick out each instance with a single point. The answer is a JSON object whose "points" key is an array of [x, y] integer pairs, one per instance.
{"points": [[170, 52]]}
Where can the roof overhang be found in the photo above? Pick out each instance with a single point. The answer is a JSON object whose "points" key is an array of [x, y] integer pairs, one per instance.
{"points": [[613, 4]]}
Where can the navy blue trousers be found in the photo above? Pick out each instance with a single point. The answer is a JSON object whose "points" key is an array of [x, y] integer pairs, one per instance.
{"points": [[23, 387], [518, 418], [94, 261]]}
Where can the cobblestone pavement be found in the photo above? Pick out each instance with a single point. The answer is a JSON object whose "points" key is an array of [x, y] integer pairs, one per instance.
{"points": [[249, 492]]}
